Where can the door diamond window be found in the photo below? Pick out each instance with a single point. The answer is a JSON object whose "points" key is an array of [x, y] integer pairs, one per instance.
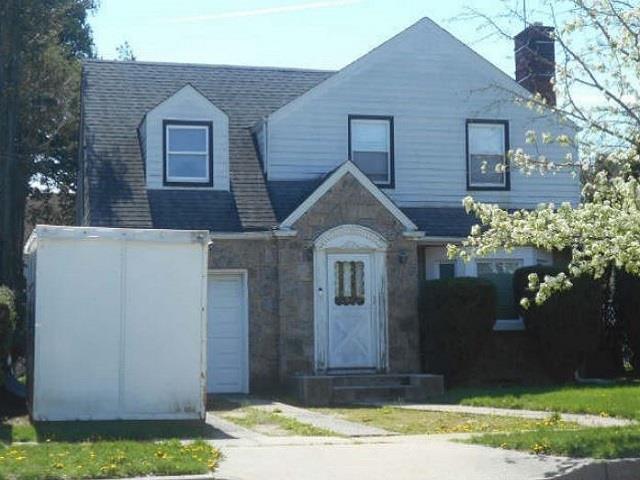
{"points": [[349, 284]]}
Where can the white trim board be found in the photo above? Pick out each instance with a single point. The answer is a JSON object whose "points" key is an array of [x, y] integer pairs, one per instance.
{"points": [[318, 193]]}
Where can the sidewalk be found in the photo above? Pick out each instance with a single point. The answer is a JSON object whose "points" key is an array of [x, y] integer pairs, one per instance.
{"points": [[404, 458]]}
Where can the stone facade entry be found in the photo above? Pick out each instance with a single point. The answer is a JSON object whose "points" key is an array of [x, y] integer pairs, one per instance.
{"points": [[350, 300]]}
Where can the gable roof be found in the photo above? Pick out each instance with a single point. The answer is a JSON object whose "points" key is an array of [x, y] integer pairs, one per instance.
{"points": [[446, 222], [116, 96], [424, 24], [347, 167]]}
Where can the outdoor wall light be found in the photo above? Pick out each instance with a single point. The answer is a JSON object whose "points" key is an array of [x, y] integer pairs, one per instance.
{"points": [[402, 257]]}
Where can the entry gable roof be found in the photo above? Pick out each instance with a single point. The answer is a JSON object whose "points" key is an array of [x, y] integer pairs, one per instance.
{"points": [[331, 180]]}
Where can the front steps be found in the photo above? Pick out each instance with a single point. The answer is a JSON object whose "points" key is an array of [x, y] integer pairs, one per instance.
{"points": [[321, 390]]}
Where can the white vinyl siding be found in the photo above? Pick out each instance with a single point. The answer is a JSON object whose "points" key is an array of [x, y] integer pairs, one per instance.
{"points": [[487, 153], [430, 84], [371, 148], [187, 153]]}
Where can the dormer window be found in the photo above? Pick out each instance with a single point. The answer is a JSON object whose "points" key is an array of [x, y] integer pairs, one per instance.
{"points": [[188, 153], [487, 147], [371, 147]]}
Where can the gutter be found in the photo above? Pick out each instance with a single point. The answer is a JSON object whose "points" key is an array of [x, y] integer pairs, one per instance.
{"points": [[259, 235], [415, 235], [422, 239]]}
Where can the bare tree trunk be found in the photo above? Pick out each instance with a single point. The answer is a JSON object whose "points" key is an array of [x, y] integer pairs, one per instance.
{"points": [[10, 214]]}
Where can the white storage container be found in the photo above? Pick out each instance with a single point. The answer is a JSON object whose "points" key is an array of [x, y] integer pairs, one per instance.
{"points": [[118, 323]]}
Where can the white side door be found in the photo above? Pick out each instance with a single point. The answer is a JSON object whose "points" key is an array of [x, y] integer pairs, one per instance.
{"points": [[352, 336], [227, 334]]}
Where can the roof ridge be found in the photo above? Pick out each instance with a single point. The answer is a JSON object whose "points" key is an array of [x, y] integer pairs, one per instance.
{"points": [[209, 65]]}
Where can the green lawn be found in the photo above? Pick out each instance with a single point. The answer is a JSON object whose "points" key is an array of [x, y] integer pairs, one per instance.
{"points": [[53, 460], [611, 442], [104, 449], [620, 400], [414, 422]]}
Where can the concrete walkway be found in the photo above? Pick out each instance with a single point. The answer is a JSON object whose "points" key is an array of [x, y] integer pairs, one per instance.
{"points": [[580, 419], [326, 422], [363, 452], [403, 457]]}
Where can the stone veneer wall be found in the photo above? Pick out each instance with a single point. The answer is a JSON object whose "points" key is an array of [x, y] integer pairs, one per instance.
{"points": [[347, 202], [280, 281], [259, 258]]}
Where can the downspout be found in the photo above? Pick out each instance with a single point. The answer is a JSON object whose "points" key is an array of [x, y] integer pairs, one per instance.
{"points": [[266, 147]]}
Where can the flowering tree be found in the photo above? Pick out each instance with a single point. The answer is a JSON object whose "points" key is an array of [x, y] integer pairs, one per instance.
{"points": [[597, 84]]}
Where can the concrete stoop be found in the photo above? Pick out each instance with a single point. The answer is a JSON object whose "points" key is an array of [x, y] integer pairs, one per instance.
{"points": [[319, 390]]}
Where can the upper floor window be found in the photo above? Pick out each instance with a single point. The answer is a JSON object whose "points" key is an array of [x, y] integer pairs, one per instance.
{"points": [[188, 153], [487, 146], [371, 147]]}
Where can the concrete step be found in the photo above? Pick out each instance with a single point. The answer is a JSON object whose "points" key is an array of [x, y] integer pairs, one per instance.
{"points": [[350, 394], [328, 389], [371, 380]]}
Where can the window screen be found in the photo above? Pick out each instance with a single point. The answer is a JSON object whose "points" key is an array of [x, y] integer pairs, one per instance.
{"points": [[486, 150], [371, 148], [187, 153]]}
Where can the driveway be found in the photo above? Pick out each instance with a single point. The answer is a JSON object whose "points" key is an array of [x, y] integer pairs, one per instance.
{"points": [[364, 455], [402, 458]]}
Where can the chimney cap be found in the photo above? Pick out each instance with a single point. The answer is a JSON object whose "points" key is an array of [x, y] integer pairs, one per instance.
{"points": [[536, 27]]}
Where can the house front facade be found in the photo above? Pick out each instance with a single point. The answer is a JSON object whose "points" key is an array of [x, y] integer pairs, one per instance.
{"points": [[329, 196]]}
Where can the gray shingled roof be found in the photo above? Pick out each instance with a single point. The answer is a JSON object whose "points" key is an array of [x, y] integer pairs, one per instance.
{"points": [[434, 221], [194, 210], [442, 221], [287, 195], [116, 97]]}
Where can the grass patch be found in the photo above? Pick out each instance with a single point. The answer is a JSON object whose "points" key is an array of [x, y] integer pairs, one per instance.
{"points": [[272, 423], [410, 422], [610, 442], [53, 460], [618, 400], [19, 429]]}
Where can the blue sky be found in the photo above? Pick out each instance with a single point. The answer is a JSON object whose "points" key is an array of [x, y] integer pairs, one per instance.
{"points": [[326, 34]]}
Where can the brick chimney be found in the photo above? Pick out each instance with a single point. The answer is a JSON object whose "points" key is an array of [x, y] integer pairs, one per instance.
{"points": [[536, 60]]}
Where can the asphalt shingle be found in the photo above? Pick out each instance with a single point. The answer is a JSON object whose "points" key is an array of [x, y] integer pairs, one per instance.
{"points": [[116, 96], [434, 221]]}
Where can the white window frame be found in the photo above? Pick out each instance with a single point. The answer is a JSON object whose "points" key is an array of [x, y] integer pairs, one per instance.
{"points": [[504, 128], [354, 120], [206, 153]]}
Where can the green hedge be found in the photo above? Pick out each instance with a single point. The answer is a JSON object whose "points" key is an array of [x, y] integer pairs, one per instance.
{"points": [[7, 321], [628, 304], [567, 325], [457, 316]]}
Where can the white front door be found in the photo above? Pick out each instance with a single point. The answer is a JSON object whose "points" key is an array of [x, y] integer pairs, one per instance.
{"points": [[227, 334], [352, 333]]}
